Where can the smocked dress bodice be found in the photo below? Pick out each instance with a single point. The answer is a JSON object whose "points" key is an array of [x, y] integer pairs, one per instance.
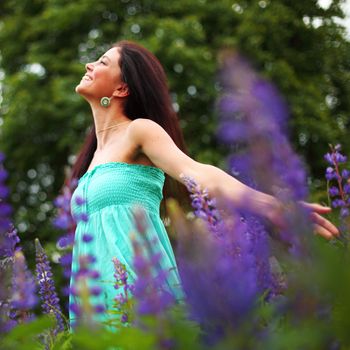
{"points": [[117, 183]]}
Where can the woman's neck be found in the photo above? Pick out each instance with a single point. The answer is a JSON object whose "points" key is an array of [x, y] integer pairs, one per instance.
{"points": [[104, 119]]}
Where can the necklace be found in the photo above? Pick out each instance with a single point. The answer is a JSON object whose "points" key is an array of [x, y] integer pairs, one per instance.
{"points": [[112, 126]]}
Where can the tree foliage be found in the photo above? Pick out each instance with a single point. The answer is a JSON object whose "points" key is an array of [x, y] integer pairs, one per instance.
{"points": [[45, 44]]}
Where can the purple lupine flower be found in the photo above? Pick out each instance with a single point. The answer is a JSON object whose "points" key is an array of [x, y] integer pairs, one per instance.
{"points": [[259, 249], [255, 232], [328, 158], [9, 324], [87, 238], [64, 221], [333, 191], [344, 212], [338, 203], [47, 292], [82, 288], [219, 276], [204, 206], [121, 275], [5, 212], [335, 156], [66, 261], [124, 318], [8, 246], [149, 289], [347, 188], [345, 174], [264, 158], [337, 179], [95, 290], [23, 288], [331, 174], [9, 243], [82, 217], [82, 285], [122, 300], [3, 174], [65, 241], [4, 192], [259, 110]]}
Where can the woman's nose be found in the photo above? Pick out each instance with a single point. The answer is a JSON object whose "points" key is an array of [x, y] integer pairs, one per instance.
{"points": [[89, 66]]}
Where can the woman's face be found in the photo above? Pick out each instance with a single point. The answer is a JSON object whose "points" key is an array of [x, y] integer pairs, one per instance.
{"points": [[102, 77]]}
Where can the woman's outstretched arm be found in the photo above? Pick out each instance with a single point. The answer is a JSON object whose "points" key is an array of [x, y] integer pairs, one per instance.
{"points": [[157, 145]]}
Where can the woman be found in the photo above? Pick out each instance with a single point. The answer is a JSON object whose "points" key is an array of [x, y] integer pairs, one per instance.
{"points": [[135, 140]]}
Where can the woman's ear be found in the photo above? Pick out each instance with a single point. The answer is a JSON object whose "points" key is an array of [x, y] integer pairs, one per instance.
{"points": [[121, 91]]}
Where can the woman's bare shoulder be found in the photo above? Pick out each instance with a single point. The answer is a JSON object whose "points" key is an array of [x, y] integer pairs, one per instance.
{"points": [[141, 128], [143, 123]]}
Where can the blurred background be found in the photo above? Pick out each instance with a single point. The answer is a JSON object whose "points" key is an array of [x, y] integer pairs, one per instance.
{"points": [[302, 46]]}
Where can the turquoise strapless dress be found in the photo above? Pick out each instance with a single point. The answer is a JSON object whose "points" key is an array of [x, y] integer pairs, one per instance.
{"points": [[112, 191]]}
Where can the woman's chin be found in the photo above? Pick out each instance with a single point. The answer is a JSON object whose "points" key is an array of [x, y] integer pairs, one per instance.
{"points": [[82, 91], [79, 89]]}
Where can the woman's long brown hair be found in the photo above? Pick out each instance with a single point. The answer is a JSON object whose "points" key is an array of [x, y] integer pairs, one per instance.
{"points": [[148, 98]]}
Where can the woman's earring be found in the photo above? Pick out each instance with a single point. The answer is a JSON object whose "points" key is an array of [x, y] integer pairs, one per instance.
{"points": [[105, 101]]}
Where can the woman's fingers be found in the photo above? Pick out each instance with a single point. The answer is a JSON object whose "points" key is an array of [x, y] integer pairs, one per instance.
{"points": [[315, 207], [322, 226], [320, 230], [321, 223]]}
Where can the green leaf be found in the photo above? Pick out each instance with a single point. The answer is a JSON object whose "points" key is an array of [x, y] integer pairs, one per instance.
{"points": [[25, 335]]}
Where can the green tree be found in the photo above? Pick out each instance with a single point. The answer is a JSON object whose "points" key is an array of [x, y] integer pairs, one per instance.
{"points": [[45, 44]]}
